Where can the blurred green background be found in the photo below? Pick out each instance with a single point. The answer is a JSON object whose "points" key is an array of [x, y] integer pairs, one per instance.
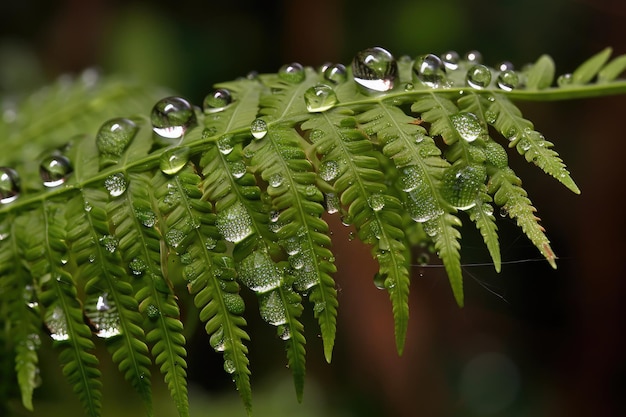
{"points": [[530, 341]]}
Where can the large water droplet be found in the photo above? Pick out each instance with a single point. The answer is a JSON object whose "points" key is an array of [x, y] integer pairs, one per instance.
{"points": [[115, 135], [229, 366], [332, 203], [174, 237], [153, 312], [174, 159], [103, 315], [293, 73], [375, 69], [336, 74], [137, 266], [234, 223], [461, 184], [146, 217], [217, 100], [376, 201], [421, 204], [9, 185], [56, 322], [258, 128], [171, 117], [54, 170], [451, 60], [379, 280], [467, 125], [217, 341], [430, 70], [276, 180], [109, 242], [225, 144], [329, 170], [479, 76], [284, 332], [258, 272], [115, 184], [272, 309], [320, 98], [508, 80], [238, 169]]}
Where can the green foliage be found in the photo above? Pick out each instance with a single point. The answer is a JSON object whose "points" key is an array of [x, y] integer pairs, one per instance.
{"points": [[109, 213]]}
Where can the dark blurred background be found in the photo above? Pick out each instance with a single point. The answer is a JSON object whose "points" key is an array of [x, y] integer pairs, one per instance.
{"points": [[529, 342]]}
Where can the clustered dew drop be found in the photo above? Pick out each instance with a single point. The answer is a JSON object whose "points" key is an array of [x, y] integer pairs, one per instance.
{"points": [[461, 185], [174, 159], [430, 70], [137, 266], [116, 184], [234, 223], [320, 98], [258, 272], [103, 315], [217, 100], [109, 242], [272, 309], [375, 69], [467, 125], [376, 201], [56, 322], [115, 135], [328, 170], [293, 73], [54, 170], [258, 128], [9, 185], [171, 117]]}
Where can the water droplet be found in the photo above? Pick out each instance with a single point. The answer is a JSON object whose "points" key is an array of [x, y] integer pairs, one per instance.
{"points": [[258, 128], [430, 70], [238, 169], [496, 155], [512, 134], [171, 117], [461, 184], [217, 341], [467, 125], [153, 312], [375, 69], [174, 237], [9, 185], [234, 223], [30, 297], [258, 272], [229, 366], [137, 266], [487, 209], [115, 135], [272, 309], [409, 87], [320, 98], [474, 57], [564, 80], [55, 169], [217, 100], [508, 80], [336, 74], [115, 184], [276, 180], [410, 178], [328, 170], [479, 76], [109, 242], [379, 280], [293, 73], [376, 201], [56, 322], [284, 332], [315, 135], [504, 211], [491, 117], [103, 315], [174, 159], [524, 145], [225, 144], [146, 217], [505, 66], [332, 203], [234, 303], [451, 60], [421, 204]]}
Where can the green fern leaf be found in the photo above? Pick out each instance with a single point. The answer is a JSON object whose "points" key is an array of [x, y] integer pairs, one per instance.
{"points": [[590, 68], [541, 74], [612, 70]]}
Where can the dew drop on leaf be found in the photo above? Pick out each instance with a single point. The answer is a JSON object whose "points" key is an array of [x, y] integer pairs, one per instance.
{"points": [[9, 185], [56, 322], [153, 312], [234, 303], [217, 341], [293, 73], [258, 128], [565, 80], [234, 223], [336, 74], [174, 159], [276, 180], [320, 98], [174, 237], [225, 144], [54, 170], [258, 272], [430, 70], [109, 242], [217, 100], [332, 203], [421, 204], [379, 280], [376, 201], [137, 266], [146, 217], [474, 57], [115, 135], [375, 69], [115, 184], [478, 77], [507, 80], [171, 117], [229, 366], [328, 170], [103, 315], [271, 308], [461, 184], [467, 125], [284, 332], [238, 169], [451, 60]]}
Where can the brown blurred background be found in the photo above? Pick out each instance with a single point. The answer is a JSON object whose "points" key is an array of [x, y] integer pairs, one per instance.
{"points": [[530, 341]]}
